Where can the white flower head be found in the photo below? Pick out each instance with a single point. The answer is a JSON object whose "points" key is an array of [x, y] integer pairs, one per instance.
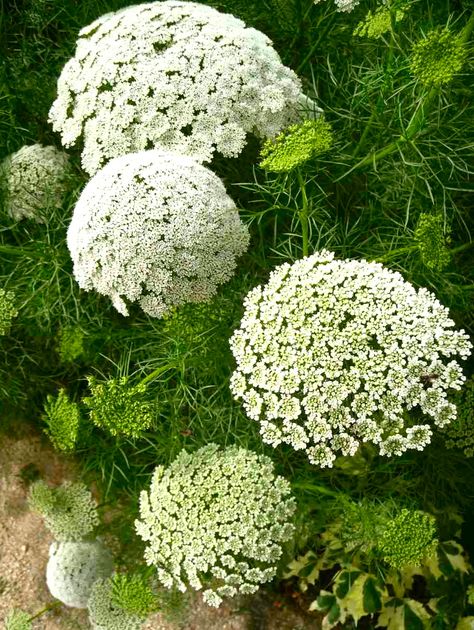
{"points": [[343, 5], [332, 353], [72, 569], [155, 228], [174, 75], [32, 180], [216, 519]]}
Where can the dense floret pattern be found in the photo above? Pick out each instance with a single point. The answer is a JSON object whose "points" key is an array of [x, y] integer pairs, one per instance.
{"points": [[133, 594], [69, 510], [379, 21], [18, 620], [460, 432], [157, 229], [72, 569], [216, 519], [331, 353], [33, 179], [437, 58], [62, 418], [8, 310], [408, 539], [343, 5], [71, 344], [174, 75], [431, 240], [120, 407], [296, 145], [105, 614]]}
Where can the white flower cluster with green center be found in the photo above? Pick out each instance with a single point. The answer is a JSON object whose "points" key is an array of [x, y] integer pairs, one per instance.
{"points": [[33, 180], [343, 5], [72, 569], [173, 75], [155, 228], [216, 519], [332, 353]]}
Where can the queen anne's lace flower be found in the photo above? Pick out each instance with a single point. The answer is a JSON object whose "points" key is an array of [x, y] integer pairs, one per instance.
{"points": [[8, 310], [216, 519], [155, 228], [438, 57], [175, 75], [343, 5], [431, 241], [18, 620], [105, 614], [72, 569], [32, 179], [332, 353], [62, 418], [408, 539]]}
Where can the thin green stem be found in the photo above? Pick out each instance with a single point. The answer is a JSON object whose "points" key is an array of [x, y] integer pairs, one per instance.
{"points": [[303, 213], [313, 48], [312, 487], [156, 373], [46, 609]]}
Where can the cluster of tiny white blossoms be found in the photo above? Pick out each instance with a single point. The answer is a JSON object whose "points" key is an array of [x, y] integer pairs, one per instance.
{"points": [[155, 228], [104, 614], [173, 75], [216, 519], [33, 180], [343, 5], [72, 569], [332, 353]]}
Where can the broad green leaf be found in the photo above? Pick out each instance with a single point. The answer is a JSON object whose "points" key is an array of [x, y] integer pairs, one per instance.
{"points": [[372, 592], [403, 614], [448, 559], [306, 568], [344, 582]]}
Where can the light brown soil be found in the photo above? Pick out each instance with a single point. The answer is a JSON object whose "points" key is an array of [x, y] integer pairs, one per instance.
{"points": [[24, 544]]}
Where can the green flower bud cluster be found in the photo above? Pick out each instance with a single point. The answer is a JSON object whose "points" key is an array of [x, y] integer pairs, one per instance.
{"points": [[296, 145], [216, 519], [133, 594], [431, 241], [71, 344], [62, 418], [408, 539], [470, 594], [18, 620], [7, 310], [437, 58], [379, 22], [105, 613], [460, 434], [119, 407], [69, 511]]}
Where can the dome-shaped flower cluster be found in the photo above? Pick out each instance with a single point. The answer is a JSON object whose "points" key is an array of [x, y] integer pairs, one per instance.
{"points": [[32, 179], [105, 614], [155, 228], [8, 310], [332, 353], [173, 75], [343, 5], [72, 569], [431, 241], [408, 539], [216, 519], [438, 57]]}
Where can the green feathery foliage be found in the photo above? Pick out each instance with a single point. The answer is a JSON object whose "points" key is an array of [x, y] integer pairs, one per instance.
{"points": [[438, 57], [17, 620], [120, 407], [460, 432], [69, 510], [431, 240], [408, 539], [62, 417], [296, 145], [7, 310], [132, 593]]}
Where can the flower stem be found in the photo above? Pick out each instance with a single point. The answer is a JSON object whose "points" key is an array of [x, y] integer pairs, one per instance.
{"points": [[156, 373], [303, 213], [46, 609], [312, 487]]}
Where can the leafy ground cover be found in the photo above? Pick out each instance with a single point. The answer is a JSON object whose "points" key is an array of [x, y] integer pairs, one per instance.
{"points": [[385, 176]]}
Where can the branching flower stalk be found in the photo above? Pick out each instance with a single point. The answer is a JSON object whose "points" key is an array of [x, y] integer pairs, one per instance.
{"points": [[417, 121]]}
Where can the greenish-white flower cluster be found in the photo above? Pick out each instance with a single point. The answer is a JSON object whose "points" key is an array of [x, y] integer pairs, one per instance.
{"points": [[216, 520], [296, 145], [331, 353], [62, 417], [72, 569], [431, 241], [32, 180], [408, 539], [155, 228], [174, 75], [343, 5], [379, 21], [69, 510], [71, 344], [105, 614], [120, 407], [437, 58], [18, 620], [8, 310]]}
